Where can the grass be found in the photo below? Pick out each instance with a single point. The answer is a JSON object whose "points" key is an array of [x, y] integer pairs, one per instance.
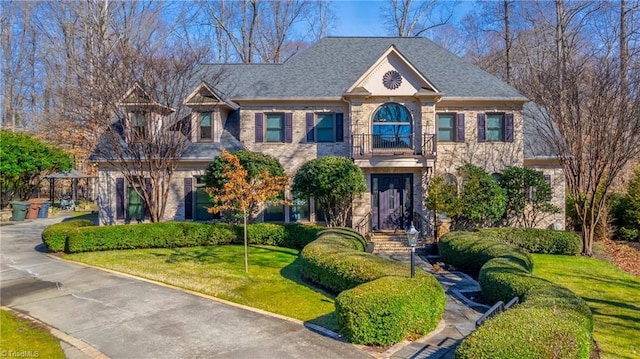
{"points": [[20, 338], [272, 284], [612, 294]]}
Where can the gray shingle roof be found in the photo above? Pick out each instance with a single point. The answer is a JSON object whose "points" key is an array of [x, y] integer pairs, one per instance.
{"points": [[333, 64], [537, 132]]}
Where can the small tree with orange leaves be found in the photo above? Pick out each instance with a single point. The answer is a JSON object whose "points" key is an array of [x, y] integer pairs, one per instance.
{"points": [[240, 193]]}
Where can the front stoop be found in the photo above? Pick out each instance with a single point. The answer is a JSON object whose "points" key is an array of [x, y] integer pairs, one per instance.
{"points": [[390, 242]]}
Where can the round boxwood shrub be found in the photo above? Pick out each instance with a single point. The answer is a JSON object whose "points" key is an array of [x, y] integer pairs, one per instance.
{"points": [[55, 236], [386, 310]]}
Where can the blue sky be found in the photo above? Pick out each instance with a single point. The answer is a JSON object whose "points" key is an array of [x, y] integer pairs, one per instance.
{"points": [[358, 18], [362, 17]]}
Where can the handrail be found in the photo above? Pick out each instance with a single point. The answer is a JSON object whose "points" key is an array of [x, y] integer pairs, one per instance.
{"points": [[423, 225], [496, 309], [364, 225]]}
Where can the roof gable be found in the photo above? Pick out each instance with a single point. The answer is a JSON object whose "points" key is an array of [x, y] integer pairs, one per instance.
{"points": [[206, 95], [379, 79], [139, 99]]}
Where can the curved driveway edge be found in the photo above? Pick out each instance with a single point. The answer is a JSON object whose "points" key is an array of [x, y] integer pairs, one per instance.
{"points": [[123, 317]]}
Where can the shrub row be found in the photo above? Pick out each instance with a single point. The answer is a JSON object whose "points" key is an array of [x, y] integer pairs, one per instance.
{"points": [[55, 236], [74, 237], [464, 251], [536, 240], [550, 322], [377, 303]]}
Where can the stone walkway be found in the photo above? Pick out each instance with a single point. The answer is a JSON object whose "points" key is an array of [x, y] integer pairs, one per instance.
{"points": [[459, 317]]}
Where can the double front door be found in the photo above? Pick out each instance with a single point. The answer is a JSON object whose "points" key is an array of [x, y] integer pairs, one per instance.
{"points": [[391, 201]]}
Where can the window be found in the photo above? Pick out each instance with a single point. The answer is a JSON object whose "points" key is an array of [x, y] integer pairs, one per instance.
{"points": [[325, 128], [446, 127], [300, 210], [495, 127], [275, 128], [138, 122], [205, 126], [392, 127], [274, 212], [203, 202]]}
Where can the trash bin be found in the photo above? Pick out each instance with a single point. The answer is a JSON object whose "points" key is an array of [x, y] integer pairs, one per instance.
{"points": [[44, 210], [19, 210], [34, 209]]}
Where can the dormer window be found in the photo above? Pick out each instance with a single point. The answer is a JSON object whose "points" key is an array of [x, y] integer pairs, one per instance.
{"points": [[138, 123], [205, 126]]}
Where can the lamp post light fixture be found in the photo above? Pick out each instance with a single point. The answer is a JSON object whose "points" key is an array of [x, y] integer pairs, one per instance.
{"points": [[412, 237]]}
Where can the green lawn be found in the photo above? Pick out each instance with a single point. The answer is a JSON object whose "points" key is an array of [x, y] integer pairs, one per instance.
{"points": [[272, 284], [612, 294], [24, 339]]}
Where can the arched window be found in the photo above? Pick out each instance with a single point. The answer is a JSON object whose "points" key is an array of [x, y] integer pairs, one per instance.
{"points": [[392, 127]]}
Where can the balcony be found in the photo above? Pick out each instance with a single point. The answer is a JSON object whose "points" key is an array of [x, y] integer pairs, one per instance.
{"points": [[367, 146]]}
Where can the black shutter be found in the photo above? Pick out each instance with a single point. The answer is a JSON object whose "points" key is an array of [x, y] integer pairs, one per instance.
{"points": [[339, 127], [508, 127], [310, 126], [147, 186], [259, 127], [288, 127], [460, 127], [482, 135], [119, 198], [188, 198]]}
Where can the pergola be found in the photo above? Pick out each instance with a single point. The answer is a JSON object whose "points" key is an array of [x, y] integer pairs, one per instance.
{"points": [[73, 175]]}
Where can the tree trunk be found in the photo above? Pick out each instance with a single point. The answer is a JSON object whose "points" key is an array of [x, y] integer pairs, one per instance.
{"points": [[588, 232], [246, 255]]}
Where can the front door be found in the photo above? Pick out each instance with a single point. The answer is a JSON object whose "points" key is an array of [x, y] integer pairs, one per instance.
{"points": [[391, 201]]}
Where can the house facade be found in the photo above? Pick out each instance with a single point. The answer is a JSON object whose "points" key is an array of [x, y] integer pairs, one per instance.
{"points": [[404, 109]]}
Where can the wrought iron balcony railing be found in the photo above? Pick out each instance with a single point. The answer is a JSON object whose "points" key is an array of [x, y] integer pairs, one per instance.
{"points": [[366, 145]]}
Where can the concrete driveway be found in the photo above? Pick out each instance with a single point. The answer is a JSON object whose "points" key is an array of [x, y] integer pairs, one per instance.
{"points": [[122, 317]]}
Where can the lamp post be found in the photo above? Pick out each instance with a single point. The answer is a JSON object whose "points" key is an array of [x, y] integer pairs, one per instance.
{"points": [[412, 237]]}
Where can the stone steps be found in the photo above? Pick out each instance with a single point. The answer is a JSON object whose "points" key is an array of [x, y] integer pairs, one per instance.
{"points": [[392, 243]]}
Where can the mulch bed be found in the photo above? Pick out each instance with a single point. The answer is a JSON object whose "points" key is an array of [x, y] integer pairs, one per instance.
{"points": [[625, 255]]}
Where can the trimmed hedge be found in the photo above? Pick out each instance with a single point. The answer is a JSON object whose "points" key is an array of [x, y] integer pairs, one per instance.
{"points": [[337, 261], [527, 333], [463, 250], [550, 322], [536, 240], [81, 238], [384, 311], [377, 303], [55, 236]]}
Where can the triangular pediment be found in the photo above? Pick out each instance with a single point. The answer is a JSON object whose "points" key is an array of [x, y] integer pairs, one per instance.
{"points": [[138, 98], [393, 75], [205, 95]]}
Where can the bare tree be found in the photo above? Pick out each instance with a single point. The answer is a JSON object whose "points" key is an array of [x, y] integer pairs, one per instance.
{"points": [[413, 18], [267, 31], [109, 49], [591, 120], [18, 65]]}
